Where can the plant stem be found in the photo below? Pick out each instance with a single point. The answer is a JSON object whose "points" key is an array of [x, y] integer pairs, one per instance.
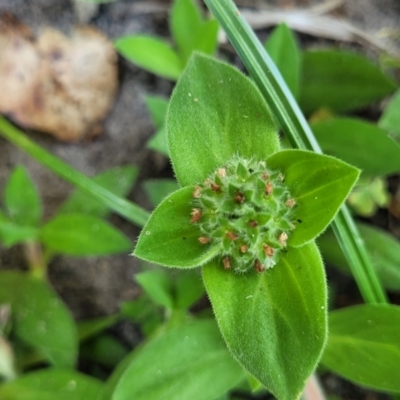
{"points": [[121, 206], [34, 256], [284, 106]]}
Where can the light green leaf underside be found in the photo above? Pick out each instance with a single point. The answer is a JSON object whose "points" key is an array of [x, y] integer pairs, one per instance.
{"points": [[40, 318], [50, 384], [364, 345], [188, 362], [359, 143], [282, 48], [169, 238], [341, 81], [274, 322], [216, 112], [319, 184], [152, 54]]}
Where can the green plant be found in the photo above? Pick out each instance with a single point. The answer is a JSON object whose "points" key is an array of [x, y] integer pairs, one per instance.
{"points": [[260, 207], [267, 286], [190, 32]]}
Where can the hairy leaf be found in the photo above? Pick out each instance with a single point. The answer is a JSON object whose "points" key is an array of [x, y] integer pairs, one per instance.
{"points": [[169, 238], [273, 322], [216, 112], [319, 184]]}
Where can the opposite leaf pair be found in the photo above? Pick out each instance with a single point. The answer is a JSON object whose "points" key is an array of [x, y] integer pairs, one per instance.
{"points": [[247, 205]]}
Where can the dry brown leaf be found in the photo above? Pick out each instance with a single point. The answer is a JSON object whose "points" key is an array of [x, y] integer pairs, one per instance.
{"points": [[57, 84]]}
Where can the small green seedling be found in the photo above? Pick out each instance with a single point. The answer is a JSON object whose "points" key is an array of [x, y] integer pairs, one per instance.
{"points": [[190, 32]]}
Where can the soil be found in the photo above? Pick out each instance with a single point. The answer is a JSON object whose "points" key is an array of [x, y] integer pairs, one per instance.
{"points": [[96, 286]]}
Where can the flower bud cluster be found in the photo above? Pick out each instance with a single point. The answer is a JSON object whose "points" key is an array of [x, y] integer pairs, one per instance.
{"points": [[246, 211]]}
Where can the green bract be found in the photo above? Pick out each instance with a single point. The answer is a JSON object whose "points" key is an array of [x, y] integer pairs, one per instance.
{"points": [[247, 206]]}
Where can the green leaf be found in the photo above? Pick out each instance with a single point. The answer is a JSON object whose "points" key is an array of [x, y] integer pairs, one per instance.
{"points": [[118, 180], [11, 233], [185, 22], [104, 349], [319, 184], [152, 54], [169, 239], [188, 288], [83, 235], [158, 285], [93, 326], [50, 384], [206, 40], [158, 189], [364, 345], [40, 318], [390, 119], [368, 195], [383, 248], [157, 106], [158, 110], [274, 323], [179, 365], [341, 81], [375, 154], [214, 113], [21, 198], [282, 48], [158, 142]]}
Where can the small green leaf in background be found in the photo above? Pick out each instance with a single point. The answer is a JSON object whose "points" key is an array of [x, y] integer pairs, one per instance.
{"points": [[190, 31], [341, 81], [12, 233], [188, 362], [274, 323], [92, 327], [21, 199], [157, 106], [173, 244], [117, 180], [152, 54], [158, 285], [282, 48], [144, 312], [40, 318], [158, 111], [83, 235], [216, 112], [185, 21], [105, 350], [359, 143], [51, 384], [319, 184], [368, 195], [207, 37], [364, 345], [383, 248], [188, 288], [390, 119], [158, 189]]}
